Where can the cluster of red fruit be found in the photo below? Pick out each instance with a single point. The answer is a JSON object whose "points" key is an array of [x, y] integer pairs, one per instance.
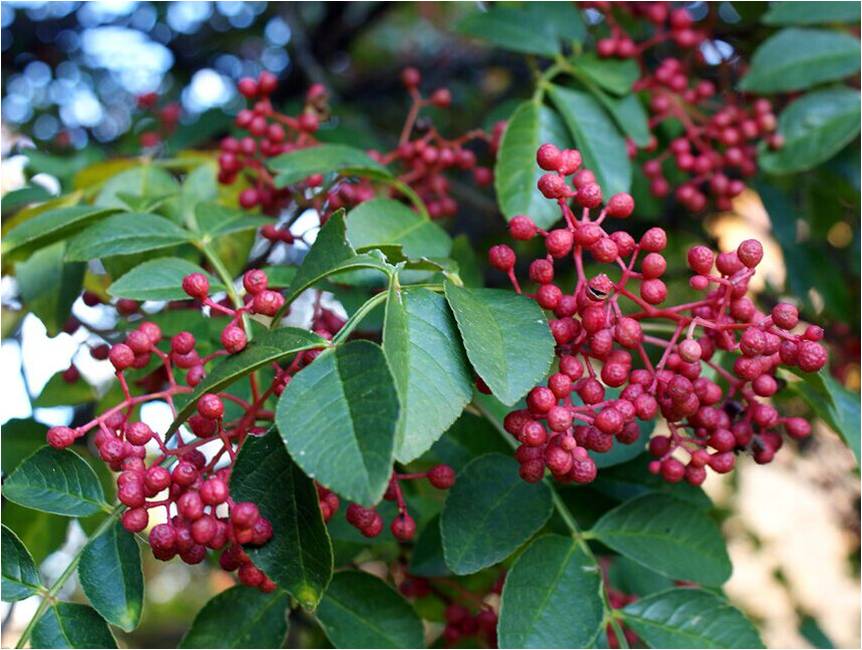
{"points": [[423, 159], [709, 421], [467, 614], [369, 522], [721, 132], [167, 117]]}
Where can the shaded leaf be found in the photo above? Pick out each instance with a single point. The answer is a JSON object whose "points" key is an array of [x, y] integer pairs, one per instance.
{"points": [[427, 557], [20, 576], [299, 555], [489, 513], [70, 625], [614, 75], [49, 285], [811, 13], [361, 611], [323, 159]]}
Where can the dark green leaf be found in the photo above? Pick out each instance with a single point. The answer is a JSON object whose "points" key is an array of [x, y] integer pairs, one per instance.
{"points": [[58, 392], [240, 617], [796, 59], [21, 437], [596, 137], [280, 277], [145, 182], [330, 254], [506, 337], [814, 634], [468, 262], [159, 279], [20, 576], [513, 29], [42, 533], [427, 557], [815, 127], [70, 625], [468, 437], [837, 406], [346, 401], [621, 453], [111, 576], [361, 611], [811, 13], [516, 172], [668, 536], [630, 577], [26, 195], [633, 478], [552, 597], [420, 340], [489, 513], [323, 159], [215, 220], [614, 75], [124, 234], [630, 116], [690, 618], [269, 347], [58, 481], [49, 285], [382, 222], [299, 555]]}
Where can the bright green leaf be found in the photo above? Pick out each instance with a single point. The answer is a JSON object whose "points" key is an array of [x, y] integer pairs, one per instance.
{"points": [[382, 222], [70, 625], [552, 597], [596, 137], [420, 340], [359, 610], [506, 337], [512, 28], [124, 234], [240, 617], [629, 114], [815, 127], [57, 481], [49, 285], [58, 392], [144, 182], [159, 279], [614, 75], [215, 220], [796, 59], [516, 172], [322, 159], [299, 555], [489, 513], [20, 576], [21, 437], [690, 618], [338, 417], [668, 536]]}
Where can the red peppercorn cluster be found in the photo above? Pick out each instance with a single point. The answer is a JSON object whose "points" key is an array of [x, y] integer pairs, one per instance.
{"points": [[713, 413], [468, 615], [423, 158], [721, 130], [167, 117], [369, 522]]}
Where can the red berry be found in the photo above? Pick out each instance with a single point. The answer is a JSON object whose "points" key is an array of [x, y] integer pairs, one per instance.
{"points": [[441, 477], [403, 527], [210, 406], [501, 257], [196, 285], [61, 437]]}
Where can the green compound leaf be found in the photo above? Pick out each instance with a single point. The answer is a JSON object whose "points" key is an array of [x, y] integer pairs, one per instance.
{"points": [[614, 75], [262, 351], [796, 59], [516, 172], [820, 12], [324, 158], [57, 481], [420, 340], [49, 285], [361, 611], [111, 576], [669, 536], [690, 618], [50, 226], [240, 617], [215, 220], [20, 575], [506, 337], [385, 222], [815, 127], [143, 184], [427, 557], [338, 418], [159, 279], [299, 555], [629, 114], [552, 597], [489, 513], [596, 137], [124, 234], [70, 625]]}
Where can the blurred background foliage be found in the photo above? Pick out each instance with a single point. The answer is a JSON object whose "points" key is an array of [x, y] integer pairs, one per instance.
{"points": [[71, 76]]}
